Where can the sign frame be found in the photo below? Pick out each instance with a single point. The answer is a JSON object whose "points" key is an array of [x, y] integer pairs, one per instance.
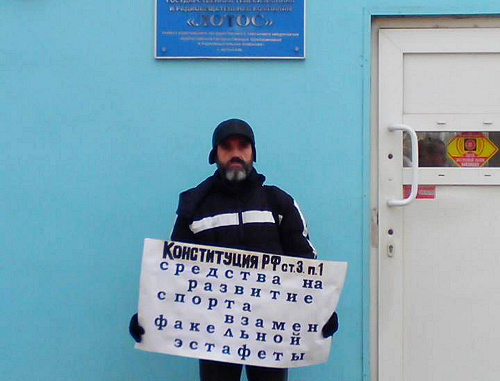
{"points": [[300, 56]]}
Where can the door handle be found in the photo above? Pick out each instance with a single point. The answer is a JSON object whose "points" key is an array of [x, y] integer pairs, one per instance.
{"points": [[414, 164]]}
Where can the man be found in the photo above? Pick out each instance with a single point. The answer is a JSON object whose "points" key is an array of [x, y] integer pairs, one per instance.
{"points": [[234, 209], [432, 152]]}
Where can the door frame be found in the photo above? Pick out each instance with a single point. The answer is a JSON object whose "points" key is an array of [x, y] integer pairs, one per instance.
{"points": [[375, 20]]}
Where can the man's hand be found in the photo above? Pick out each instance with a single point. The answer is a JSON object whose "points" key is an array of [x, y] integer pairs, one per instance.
{"points": [[136, 331], [331, 326]]}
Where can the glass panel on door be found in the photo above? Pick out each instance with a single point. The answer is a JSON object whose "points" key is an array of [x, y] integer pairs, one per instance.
{"points": [[454, 149]]}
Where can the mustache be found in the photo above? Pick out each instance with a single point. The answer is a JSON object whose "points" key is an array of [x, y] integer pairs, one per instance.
{"points": [[237, 161]]}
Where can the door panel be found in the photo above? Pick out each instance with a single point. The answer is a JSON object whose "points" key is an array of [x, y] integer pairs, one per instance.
{"points": [[451, 287], [431, 85], [439, 257]]}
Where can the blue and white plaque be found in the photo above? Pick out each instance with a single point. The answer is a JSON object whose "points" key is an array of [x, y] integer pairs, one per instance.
{"points": [[238, 29]]}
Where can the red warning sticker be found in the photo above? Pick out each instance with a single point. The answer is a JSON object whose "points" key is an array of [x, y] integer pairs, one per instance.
{"points": [[424, 191]]}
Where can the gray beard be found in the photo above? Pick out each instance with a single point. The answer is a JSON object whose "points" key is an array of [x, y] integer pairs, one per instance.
{"points": [[235, 176]]}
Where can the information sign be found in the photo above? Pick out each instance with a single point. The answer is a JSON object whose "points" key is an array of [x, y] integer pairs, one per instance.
{"points": [[471, 149], [251, 29]]}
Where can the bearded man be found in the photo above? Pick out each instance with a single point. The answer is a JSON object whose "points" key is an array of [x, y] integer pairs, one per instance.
{"points": [[233, 209]]}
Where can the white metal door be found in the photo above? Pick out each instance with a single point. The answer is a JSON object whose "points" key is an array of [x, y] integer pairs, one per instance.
{"points": [[439, 257]]}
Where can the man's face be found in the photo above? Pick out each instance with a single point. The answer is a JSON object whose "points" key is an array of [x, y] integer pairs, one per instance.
{"points": [[235, 158], [439, 156]]}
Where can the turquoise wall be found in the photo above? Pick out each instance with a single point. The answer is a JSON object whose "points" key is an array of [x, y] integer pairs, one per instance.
{"points": [[97, 139]]}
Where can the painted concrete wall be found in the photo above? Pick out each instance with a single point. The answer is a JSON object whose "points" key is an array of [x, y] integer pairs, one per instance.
{"points": [[97, 139]]}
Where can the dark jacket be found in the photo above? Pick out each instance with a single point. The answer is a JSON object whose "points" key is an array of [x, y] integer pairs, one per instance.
{"points": [[246, 215]]}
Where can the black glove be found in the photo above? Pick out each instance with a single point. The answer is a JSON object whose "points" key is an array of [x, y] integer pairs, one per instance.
{"points": [[331, 326], [135, 329]]}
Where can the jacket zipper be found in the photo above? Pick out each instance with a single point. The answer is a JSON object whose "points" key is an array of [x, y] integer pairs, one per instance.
{"points": [[240, 222]]}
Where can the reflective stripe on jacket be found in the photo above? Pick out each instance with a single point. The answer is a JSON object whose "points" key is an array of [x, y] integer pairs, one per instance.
{"points": [[246, 215]]}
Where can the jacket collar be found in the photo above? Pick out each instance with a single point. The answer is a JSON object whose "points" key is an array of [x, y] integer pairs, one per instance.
{"points": [[189, 200]]}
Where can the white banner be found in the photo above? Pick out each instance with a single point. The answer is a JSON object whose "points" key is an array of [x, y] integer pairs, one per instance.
{"points": [[236, 306]]}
